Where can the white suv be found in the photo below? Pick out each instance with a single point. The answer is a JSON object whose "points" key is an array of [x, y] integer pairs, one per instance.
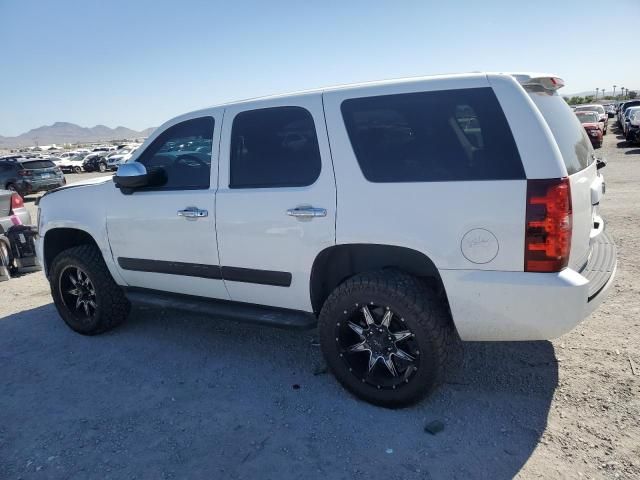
{"points": [[395, 216]]}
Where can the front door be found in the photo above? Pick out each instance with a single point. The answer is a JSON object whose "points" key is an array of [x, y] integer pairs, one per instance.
{"points": [[276, 200], [164, 238]]}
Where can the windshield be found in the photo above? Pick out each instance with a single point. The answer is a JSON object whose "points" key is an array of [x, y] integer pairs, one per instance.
{"points": [[587, 117], [571, 138], [592, 108]]}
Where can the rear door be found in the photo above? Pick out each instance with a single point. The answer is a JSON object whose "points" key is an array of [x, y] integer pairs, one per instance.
{"points": [[276, 199], [579, 158]]}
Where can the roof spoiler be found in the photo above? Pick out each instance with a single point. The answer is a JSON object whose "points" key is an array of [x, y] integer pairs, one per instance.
{"points": [[548, 82]]}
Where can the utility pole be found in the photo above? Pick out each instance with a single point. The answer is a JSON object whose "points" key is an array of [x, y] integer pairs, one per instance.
{"points": [[614, 92], [597, 93]]}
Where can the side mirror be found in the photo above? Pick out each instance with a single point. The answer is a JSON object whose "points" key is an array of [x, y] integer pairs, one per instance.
{"points": [[133, 175], [601, 163]]}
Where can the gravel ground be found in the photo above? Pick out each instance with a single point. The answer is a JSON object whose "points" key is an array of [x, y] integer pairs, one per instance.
{"points": [[174, 395]]}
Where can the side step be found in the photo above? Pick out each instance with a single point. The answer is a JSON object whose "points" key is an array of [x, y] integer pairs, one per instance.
{"points": [[237, 311]]}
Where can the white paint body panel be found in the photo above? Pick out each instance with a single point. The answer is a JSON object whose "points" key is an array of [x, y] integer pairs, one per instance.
{"points": [[491, 298], [430, 217], [254, 230], [146, 225]]}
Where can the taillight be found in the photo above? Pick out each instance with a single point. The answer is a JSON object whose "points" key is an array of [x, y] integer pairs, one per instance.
{"points": [[548, 225], [16, 201]]}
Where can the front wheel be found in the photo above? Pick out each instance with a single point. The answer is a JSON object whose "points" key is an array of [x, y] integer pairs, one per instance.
{"points": [[102, 167], [77, 169], [85, 295], [384, 335]]}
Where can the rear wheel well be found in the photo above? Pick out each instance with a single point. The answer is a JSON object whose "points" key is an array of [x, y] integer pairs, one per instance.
{"points": [[60, 239], [336, 264]]}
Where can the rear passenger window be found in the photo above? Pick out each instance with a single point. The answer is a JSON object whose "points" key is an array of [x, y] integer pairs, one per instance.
{"points": [[450, 135], [183, 151], [274, 147]]}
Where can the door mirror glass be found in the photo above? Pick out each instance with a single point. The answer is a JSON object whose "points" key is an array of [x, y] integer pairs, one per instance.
{"points": [[133, 175]]}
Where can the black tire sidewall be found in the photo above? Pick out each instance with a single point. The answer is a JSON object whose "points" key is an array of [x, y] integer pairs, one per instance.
{"points": [[102, 282], [430, 362]]}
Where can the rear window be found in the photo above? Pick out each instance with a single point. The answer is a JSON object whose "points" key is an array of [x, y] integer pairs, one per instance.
{"points": [[571, 138], [590, 108], [448, 135], [37, 164]]}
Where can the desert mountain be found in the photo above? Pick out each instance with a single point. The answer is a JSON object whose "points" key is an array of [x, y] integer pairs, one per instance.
{"points": [[64, 132]]}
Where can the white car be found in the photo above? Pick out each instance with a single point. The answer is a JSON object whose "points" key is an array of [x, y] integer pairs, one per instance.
{"points": [[116, 159], [71, 164], [395, 216]]}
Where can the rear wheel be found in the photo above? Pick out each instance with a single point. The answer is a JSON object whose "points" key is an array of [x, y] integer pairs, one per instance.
{"points": [[77, 169], [102, 167], [87, 298], [384, 335]]}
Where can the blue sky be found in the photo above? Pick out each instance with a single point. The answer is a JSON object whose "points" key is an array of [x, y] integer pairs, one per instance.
{"points": [[138, 63]]}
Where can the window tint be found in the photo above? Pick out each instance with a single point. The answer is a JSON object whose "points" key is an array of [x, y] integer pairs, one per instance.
{"points": [[274, 147], [183, 151], [571, 138], [37, 164], [432, 136]]}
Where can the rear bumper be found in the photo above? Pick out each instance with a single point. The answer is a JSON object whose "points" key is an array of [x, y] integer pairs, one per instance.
{"points": [[42, 185], [490, 305]]}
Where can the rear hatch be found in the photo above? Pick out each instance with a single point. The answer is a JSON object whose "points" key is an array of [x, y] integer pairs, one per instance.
{"points": [[40, 169], [580, 160]]}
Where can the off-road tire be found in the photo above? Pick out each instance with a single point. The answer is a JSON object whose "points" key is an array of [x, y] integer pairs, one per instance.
{"points": [[112, 305], [426, 314]]}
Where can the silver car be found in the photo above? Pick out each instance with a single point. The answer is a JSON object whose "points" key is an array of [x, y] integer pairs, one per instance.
{"points": [[12, 212]]}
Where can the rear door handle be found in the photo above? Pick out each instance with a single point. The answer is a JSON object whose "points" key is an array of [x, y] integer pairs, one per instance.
{"points": [[307, 212], [193, 212]]}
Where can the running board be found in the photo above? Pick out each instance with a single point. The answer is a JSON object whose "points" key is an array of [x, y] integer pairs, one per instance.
{"points": [[237, 311]]}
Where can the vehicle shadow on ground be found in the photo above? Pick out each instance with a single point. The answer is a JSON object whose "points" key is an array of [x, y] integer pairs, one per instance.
{"points": [[173, 395], [632, 152]]}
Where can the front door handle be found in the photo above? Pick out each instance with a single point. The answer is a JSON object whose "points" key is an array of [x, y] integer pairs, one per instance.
{"points": [[193, 212], [307, 212]]}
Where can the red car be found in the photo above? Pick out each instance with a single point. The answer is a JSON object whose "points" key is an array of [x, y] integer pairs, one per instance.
{"points": [[592, 126]]}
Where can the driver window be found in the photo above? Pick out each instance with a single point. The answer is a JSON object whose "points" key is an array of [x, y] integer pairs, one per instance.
{"points": [[183, 151]]}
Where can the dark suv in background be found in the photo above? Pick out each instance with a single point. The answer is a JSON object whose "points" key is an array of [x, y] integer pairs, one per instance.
{"points": [[27, 176]]}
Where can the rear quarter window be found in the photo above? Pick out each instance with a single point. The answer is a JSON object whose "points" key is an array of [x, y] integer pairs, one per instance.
{"points": [[571, 138], [448, 135]]}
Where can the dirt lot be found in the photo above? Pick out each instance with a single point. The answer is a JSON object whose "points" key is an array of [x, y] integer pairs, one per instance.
{"points": [[171, 395]]}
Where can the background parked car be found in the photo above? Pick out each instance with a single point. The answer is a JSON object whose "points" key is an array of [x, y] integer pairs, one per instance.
{"points": [[623, 107], [73, 164], [626, 121], [602, 114], [633, 132], [610, 108], [121, 156], [11, 204], [95, 162], [27, 176], [592, 126]]}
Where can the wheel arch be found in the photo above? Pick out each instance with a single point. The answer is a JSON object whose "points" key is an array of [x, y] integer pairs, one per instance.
{"points": [[59, 239], [334, 265]]}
